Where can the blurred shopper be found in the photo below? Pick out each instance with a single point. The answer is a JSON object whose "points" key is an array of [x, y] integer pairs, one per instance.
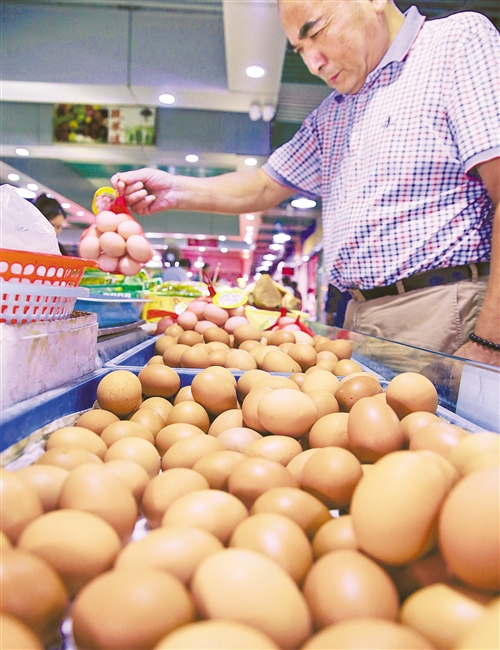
{"points": [[176, 272], [54, 213]]}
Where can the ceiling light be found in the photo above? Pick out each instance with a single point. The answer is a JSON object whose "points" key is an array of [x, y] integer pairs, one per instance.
{"points": [[249, 228], [250, 162], [13, 177], [281, 238], [268, 113], [32, 186], [80, 213], [222, 237], [201, 249], [305, 258], [303, 203], [255, 71], [269, 257], [255, 112], [66, 206], [166, 98], [192, 157], [25, 193], [276, 247], [250, 217], [199, 264], [224, 250], [21, 151]]}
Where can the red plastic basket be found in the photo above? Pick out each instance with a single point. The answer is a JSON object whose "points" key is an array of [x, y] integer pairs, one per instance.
{"points": [[41, 268]]}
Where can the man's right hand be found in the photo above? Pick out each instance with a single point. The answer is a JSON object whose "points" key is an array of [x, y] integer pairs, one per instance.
{"points": [[147, 190]]}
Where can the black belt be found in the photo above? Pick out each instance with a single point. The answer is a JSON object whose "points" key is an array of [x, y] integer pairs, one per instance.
{"points": [[432, 278]]}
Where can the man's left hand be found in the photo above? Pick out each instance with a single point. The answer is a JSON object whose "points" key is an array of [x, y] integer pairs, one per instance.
{"points": [[479, 353]]}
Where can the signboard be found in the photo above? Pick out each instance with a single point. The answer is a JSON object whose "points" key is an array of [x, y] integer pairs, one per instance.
{"points": [[86, 124]]}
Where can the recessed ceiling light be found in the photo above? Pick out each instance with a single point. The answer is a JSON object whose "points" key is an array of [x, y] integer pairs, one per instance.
{"points": [[166, 98], [66, 206], [222, 237], [269, 257], [13, 177], [281, 238], [249, 228], [32, 186], [80, 213], [250, 162], [275, 247], [255, 71], [224, 250], [201, 249], [303, 203], [305, 258], [250, 217], [21, 151], [192, 157], [25, 193]]}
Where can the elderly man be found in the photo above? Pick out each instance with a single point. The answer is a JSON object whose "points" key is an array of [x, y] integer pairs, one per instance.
{"points": [[404, 153]]}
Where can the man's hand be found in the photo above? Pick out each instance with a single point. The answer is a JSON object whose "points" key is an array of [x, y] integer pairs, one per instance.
{"points": [[147, 190], [479, 353]]}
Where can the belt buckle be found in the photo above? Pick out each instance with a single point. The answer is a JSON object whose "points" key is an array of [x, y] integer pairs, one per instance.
{"points": [[357, 295]]}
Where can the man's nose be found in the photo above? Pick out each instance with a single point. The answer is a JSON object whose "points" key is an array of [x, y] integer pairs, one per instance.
{"points": [[314, 60]]}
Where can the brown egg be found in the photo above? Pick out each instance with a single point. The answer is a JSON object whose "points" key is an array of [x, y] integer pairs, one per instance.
{"points": [[330, 431], [92, 489], [441, 437], [296, 465], [245, 332], [189, 338], [125, 429], [16, 634], [214, 634], [286, 412], [159, 381], [238, 438], [249, 408], [412, 422], [226, 420], [483, 442], [249, 345], [213, 510], [373, 430], [328, 356], [304, 509], [68, 457], [278, 537], [149, 418], [172, 356], [216, 467], [331, 475], [278, 361], [342, 348], [469, 536], [96, 420], [185, 452], [346, 584], [346, 367], [480, 462], [441, 614], [78, 437], [157, 358], [133, 475], [365, 633], [215, 393], [484, 633], [130, 609], [215, 333], [395, 506], [320, 380], [279, 448], [189, 413], [175, 549], [187, 320], [260, 352], [252, 477], [164, 342], [246, 586], [120, 392], [240, 359], [334, 534], [33, 592], [353, 388], [195, 358], [285, 347], [78, 545], [248, 380], [409, 392], [324, 402], [298, 378], [47, 480], [305, 355], [174, 330], [137, 449], [164, 489], [174, 432], [184, 394]]}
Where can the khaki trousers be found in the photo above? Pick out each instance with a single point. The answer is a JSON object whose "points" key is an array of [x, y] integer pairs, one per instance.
{"points": [[435, 318]]}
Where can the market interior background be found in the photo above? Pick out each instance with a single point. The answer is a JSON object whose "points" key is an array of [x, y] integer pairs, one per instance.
{"points": [[128, 53]]}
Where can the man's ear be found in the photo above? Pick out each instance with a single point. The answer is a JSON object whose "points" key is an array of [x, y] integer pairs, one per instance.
{"points": [[379, 5]]}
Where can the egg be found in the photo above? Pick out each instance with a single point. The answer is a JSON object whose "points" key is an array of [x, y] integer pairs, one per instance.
{"points": [[305, 355], [137, 449], [278, 361], [215, 334], [296, 465], [346, 584], [324, 402], [120, 392], [33, 592], [412, 422], [240, 359], [249, 410], [320, 380], [279, 448], [233, 322], [216, 634], [130, 609], [16, 634], [330, 431], [277, 537], [217, 467], [112, 244], [96, 420], [108, 263], [409, 392], [78, 545], [175, 549], [213, 510], [483, 442], [187, 320], [246, 586], [441, 437], [274, 382], [68, 457], [238, 438], [190, 413], [139, 249], [484, 633], [226, 420], [331, 474], [79, 437], [107, 221], [164, 342], [373, 430], [172, 355], [158, 381], [469, 536], [286, 412], [47, 480], [174, 432], [149, 419], [346, 367], [252, 477], [184, 394], [215, 314], [334, 534], [213, 391], [185, 452], [243, 332], [92, 489], [164, 489], [129, 227], [133, 475], [353, 388], [129, 266], [125, 429], [89, 248]]}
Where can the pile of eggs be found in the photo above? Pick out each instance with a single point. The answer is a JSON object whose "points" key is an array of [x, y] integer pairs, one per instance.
{"points": [[117, 242], [255, 510]]}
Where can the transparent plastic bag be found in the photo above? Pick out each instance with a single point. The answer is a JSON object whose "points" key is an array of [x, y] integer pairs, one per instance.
{"points": [[22, 226]]}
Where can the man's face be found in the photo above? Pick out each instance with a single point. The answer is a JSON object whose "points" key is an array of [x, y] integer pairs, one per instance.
{"points": [[58, 223], [340, 41]]}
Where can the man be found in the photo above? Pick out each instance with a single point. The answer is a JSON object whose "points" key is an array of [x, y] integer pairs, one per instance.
{"points": [[54, 213], [405, 155], [177, 272]]}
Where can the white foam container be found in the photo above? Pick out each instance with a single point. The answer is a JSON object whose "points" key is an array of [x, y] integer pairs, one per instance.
{"points": [[36, 357]]}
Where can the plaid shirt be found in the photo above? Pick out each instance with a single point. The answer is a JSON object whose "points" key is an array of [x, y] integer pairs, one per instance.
{"points": [[393, 164]]}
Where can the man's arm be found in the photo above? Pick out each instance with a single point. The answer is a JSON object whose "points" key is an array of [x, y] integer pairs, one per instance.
{"points": [[488, 323], [150, 190]]}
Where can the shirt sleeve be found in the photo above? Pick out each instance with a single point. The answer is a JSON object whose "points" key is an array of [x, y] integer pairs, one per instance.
{"points": [[297, 163], [474, 107]]}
